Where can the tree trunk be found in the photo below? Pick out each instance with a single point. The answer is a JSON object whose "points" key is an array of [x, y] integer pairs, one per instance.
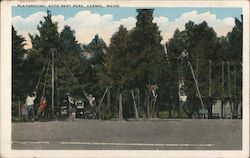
{"points": [[108, 98], [138, 100], [158, 110], [210, 108], [222, 109], [152, 107], [68, 110], [179, 109], [108, 102], [52, 85], [231, 108], [135, 106], [148, 105], [19, 107], [170, 108], [120, 117], [145, 107]]}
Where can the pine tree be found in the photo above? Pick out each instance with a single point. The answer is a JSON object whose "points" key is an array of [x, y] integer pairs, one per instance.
{"points": [[116, 71], [48, 36], [235, 38], [18, 83], [146, 54], [234, 65], [97, 49], [68, 42], [93, 58], [18, 53]]}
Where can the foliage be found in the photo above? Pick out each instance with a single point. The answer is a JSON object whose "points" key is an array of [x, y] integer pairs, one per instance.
{"points": [[235, 39], [96, 49], [202, 44], [68, 43], [145, 50], [18, 52], [48, 36], [116, 72]]}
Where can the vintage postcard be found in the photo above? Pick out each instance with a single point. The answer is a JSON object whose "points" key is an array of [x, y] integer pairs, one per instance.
{"points": [[124, 79]]}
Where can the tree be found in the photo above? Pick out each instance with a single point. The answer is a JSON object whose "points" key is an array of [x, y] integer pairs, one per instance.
{"points": [[116, 72], [68, 42], [18, 53], [69, 64], [146, 54], [97, 49], [93, 60], [48, 36], [235, 38], [116, 61], [234, 65], [18, 84]]}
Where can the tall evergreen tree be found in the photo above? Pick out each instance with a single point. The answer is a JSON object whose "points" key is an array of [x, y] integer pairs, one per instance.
{"points": [[116, 69], [93, 58], [234, 66], [96, 49], [48, 36], [116, 72], [18, 52], [235, 38], [146, 54]]}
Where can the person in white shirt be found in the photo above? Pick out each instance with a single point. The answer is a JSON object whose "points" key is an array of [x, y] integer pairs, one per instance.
{"points": [[30, 105], [91, 100]]}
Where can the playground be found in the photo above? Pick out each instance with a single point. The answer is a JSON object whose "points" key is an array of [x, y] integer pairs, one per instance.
{"points": [[181, 101], [194, 75]]}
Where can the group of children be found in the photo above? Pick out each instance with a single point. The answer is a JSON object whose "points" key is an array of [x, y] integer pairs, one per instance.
{"points": [[28, 110]]}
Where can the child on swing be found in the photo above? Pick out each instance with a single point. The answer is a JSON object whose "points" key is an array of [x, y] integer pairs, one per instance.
{"points": [[41, 107]]}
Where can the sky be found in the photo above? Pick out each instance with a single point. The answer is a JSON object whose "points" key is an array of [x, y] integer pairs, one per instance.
{"points": [[105, 21]]}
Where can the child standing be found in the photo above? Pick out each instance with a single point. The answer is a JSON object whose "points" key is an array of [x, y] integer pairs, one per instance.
{"points": [[30, 105], [41, 107], [25, 113], [73, 112]]}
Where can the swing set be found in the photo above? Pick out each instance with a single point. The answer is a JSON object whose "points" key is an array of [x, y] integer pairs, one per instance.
{"points": [[60, 109], [183, 61]]}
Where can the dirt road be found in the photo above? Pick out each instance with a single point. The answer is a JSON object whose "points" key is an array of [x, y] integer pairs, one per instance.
{"points": [[126, 135]]}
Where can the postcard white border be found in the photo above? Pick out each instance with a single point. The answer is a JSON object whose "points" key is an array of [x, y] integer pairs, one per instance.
{"points": [[5, 109]]}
